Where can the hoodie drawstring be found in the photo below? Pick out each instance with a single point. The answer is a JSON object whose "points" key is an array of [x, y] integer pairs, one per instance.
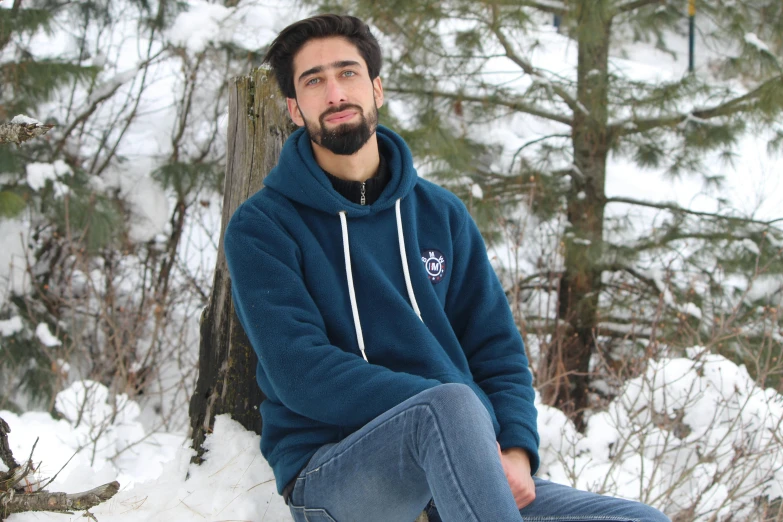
{"points": [[349, 274], [404, 257]]}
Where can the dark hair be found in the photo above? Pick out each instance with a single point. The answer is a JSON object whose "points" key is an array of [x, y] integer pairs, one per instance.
{"points": [[280, 55]]}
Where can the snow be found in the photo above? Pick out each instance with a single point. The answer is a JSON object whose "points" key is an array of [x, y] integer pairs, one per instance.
{"points": [[44, 335], [11, 326], [39, 173], [681, 422], [476, 191], [755, 41], [21, 118]]}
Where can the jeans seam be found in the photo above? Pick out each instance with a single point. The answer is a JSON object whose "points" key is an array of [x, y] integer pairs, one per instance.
{"points": [[578, 518], [452, 475]]}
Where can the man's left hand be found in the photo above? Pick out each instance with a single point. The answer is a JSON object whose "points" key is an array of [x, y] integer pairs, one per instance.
{"points": [[516, 465]]}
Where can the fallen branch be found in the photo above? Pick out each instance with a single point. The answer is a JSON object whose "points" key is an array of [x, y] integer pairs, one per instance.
{"points": [[46, 501], [16, 495], [21, 129]]}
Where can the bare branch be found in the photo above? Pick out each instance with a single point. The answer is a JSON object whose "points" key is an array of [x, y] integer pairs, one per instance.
{"points": [[674, 207], [6, 455], [516, 106], [733, 106], [45, 501]]}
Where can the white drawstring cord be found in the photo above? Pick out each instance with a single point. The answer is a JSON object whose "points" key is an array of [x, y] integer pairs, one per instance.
{"points": [[349, 274], [408, 284]]}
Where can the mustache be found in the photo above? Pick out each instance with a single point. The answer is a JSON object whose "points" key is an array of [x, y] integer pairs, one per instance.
{"points": [[340, 108]]}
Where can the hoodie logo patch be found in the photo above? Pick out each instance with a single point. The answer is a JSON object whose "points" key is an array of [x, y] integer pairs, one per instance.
{"points": [[434, 264]]}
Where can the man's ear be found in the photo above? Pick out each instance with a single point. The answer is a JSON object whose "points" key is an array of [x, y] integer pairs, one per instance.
{"points": [[293, 111], [377, 89]]}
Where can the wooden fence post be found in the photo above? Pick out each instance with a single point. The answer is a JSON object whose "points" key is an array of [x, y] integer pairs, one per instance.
{"points": [[258, 125]]}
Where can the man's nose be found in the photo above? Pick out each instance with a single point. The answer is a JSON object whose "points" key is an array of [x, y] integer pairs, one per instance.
{"points": [[335, 94]]}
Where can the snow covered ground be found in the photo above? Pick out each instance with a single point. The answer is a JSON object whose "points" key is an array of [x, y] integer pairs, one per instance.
{"points": [[665, 440]]}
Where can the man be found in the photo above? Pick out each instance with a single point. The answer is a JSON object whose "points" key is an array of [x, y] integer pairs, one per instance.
{"points": [[393, 370]]}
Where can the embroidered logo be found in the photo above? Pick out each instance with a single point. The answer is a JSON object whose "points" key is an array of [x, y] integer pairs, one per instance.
{"points": [[435, 264]]}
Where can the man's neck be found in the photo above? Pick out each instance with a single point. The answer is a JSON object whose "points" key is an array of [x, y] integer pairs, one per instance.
{"points": [[359, 166]]}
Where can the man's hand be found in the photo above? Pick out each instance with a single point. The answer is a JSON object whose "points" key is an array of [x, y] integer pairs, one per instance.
{"points": [[516, 465]]}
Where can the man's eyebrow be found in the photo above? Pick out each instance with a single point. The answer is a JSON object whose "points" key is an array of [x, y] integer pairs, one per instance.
{"points": [[333, 65]]}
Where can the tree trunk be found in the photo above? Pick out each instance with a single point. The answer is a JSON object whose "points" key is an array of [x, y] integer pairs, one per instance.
{"points": [[257, 128], [566, 365]]}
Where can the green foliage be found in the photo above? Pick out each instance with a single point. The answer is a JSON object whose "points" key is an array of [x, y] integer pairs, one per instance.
{"points": [[188, 178], [32, 82], [11, 204], [27, 377], [22, 21]]}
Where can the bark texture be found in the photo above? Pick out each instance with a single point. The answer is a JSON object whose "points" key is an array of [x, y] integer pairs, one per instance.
{"points": [[45, 501], [564, 373], [258, 126], [21, 132]]}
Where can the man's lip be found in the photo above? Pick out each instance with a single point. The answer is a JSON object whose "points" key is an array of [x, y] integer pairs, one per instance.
{"points": [[338, 117]]}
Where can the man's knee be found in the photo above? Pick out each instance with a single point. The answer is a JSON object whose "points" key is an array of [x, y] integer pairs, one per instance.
{"points": [[455, 400]]}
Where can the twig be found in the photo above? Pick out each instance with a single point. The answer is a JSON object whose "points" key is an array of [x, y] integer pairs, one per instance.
{"points": [[21, 132], [46, 501]]}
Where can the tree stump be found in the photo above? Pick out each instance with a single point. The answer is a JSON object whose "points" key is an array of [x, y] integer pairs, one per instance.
{"points": [[258, 126]]}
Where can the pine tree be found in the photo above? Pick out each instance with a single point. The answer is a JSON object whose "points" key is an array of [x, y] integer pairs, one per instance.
{"points": [[614, 286]]}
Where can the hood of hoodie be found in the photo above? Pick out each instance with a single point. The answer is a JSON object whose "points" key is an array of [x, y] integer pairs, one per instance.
{"points": [[298, 177]]}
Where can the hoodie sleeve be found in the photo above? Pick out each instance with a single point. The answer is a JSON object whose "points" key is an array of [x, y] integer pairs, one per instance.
{"points": [[481, 317], [303, 370]]}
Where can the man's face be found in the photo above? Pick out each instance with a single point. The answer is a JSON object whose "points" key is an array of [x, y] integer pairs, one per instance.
{"points": [[336, 101]]}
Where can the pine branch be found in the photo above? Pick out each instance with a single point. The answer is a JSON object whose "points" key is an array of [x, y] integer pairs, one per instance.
{"points": [[674, 207], [636, 4], [516, 106], [553, 7], [21, 132], [58, 502], [527, 66], [728, 108]]}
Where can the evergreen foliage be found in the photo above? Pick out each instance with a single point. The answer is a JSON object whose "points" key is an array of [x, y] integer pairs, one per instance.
{"points": [[620, 289]]}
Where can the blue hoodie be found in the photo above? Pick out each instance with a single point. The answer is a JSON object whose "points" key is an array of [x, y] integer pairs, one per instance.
{"points": [[292, 293]]}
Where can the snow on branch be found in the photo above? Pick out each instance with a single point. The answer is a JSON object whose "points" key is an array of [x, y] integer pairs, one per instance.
{"points": [[744, 103], [674, 207], [548, 6], [634, 4], [21, 129]]}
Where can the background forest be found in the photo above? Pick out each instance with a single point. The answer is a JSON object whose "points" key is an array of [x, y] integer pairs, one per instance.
{"points": [[632, 209]]}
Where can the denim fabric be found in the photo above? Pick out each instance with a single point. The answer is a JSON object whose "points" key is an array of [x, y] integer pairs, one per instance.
{"points": [[435, 449]]}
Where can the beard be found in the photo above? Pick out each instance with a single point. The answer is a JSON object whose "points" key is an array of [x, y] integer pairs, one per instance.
{"points": [[347, 138]]}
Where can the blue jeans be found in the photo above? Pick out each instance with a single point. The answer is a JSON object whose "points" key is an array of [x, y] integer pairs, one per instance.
{"points": [[438, 446]]}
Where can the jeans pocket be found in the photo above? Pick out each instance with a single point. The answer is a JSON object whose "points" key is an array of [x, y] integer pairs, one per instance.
{"points": [[298, 513]]}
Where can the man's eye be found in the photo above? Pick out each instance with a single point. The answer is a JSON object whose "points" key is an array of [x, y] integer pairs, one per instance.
{"points": [[311, 81], [349, 73]]}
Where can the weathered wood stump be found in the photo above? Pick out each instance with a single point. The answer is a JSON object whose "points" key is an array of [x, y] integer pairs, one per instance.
{"points": [[258, 126]]}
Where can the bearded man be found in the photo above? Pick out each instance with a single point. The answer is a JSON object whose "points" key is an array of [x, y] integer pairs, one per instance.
{"points": [[396, 379]]}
